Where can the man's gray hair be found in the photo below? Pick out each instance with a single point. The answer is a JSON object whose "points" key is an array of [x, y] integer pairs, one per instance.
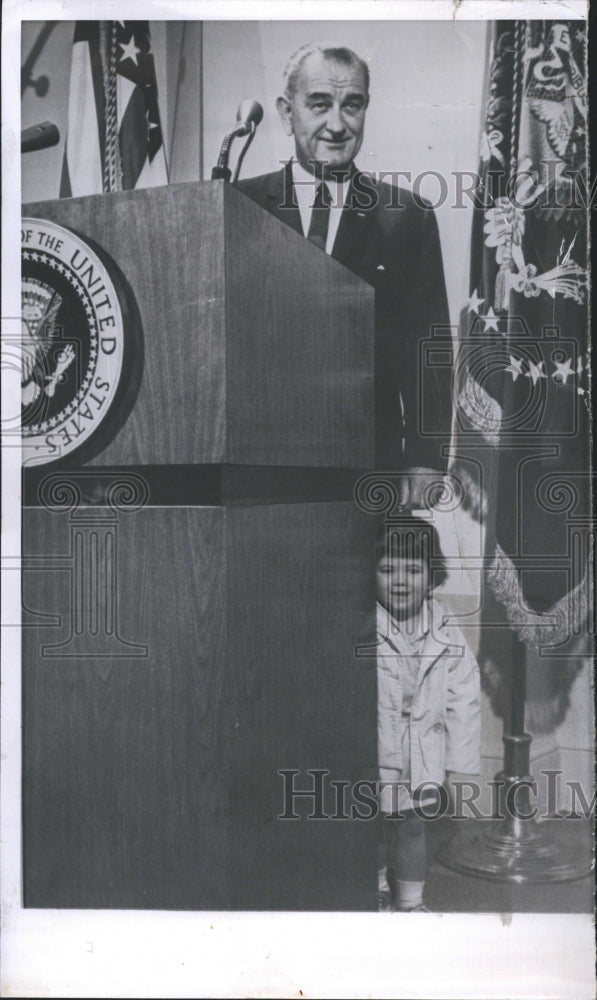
{"points": [[340, 54]]}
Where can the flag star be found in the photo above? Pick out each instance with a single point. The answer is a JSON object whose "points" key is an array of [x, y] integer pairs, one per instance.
{"points": [[34, 256], [474, 302], [535, 372], [129, 51], [491, 320], [26, 255], [563, 371], [580, 391], [515, 367]]}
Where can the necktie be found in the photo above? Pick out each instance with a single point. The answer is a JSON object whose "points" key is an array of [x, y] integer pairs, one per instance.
{"points": [[320, 217]]}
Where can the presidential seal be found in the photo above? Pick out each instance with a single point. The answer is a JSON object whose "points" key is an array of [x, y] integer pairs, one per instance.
{"points": [[72, 341]]}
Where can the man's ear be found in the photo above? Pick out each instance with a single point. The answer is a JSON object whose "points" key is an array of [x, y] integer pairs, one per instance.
{"points": [[285, 112]]}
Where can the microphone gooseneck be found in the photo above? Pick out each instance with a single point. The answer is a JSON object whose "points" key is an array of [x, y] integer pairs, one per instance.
{"points": [[248, 116], [252, 113]]}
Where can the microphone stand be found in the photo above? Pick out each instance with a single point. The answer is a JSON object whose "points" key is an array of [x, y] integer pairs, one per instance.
{"points": [[221, 171], [243, 151]]}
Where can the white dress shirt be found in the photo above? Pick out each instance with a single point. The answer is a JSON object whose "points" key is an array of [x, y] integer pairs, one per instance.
{"points": [[305, 187]]}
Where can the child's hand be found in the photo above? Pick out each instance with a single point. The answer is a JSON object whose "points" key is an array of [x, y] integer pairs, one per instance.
{"points": [[420, 487], [474, 497]]}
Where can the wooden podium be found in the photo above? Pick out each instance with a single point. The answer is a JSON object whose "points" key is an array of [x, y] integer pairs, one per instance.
{"points": [[196, 582]]}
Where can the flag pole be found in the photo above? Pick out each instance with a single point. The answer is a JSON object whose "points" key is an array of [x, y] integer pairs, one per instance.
{"points": [[511, 846], [514, 847]]}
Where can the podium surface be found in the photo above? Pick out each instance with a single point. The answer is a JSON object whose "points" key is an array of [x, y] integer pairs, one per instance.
{"points": [[198, 582], [258, 348]]}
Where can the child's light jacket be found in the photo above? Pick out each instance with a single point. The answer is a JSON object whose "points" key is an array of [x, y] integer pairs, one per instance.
{"points": [[445, 719]]}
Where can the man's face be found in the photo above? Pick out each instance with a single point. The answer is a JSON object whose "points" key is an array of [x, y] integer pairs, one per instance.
{"points": [[402, 585], [326, 114]]}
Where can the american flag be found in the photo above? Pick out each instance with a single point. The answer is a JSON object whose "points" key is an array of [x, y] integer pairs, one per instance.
{"points": [[115, 139]]}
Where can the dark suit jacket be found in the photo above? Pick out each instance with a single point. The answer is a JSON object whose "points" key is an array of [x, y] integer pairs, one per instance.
{"points": [[397, 250]]}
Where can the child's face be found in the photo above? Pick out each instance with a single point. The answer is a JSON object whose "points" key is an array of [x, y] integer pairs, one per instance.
{"points": [[402, 585]]}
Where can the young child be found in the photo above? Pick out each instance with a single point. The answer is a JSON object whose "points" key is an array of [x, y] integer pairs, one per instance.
{"points": [[427, 700]]}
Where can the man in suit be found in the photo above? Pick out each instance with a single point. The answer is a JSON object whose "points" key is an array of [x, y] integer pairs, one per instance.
{"points": [[386, 236]]}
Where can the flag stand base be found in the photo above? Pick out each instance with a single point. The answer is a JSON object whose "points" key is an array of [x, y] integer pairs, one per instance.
{"points": [[503, 853], [517, 849]]}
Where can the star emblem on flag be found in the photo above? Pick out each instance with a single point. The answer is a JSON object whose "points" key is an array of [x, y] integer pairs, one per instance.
{"points": [[129, 50], [515, 367], [563, 371], [474, 302], [535, 372], [490, 320]]}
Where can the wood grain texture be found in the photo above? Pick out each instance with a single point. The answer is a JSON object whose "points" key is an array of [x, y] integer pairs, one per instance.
{"points": [[300, 364], [258, 349], [124, 804], [300, 588], [151, 782]]}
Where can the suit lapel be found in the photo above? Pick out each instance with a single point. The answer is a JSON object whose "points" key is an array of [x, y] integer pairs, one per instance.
{"points": [[354, 224], [280, 193]]}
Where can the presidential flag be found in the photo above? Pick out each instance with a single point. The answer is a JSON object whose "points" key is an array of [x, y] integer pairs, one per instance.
{"points": [[523, 419], [114, 139]]}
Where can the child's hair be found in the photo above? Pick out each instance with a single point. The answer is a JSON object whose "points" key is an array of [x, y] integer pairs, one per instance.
{"points": [[413, 538]]}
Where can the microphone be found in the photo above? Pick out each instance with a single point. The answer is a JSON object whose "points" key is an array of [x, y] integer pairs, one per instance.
{"points": [[249, 113], [248, 116], [39, 137]]}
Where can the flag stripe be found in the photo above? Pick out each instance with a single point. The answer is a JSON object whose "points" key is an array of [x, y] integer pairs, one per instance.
{"points": [[133, 140], [154, 171], [84, 143], [97, 79], [66, 190], [125, 89], [85, 31], [140, 140]]}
